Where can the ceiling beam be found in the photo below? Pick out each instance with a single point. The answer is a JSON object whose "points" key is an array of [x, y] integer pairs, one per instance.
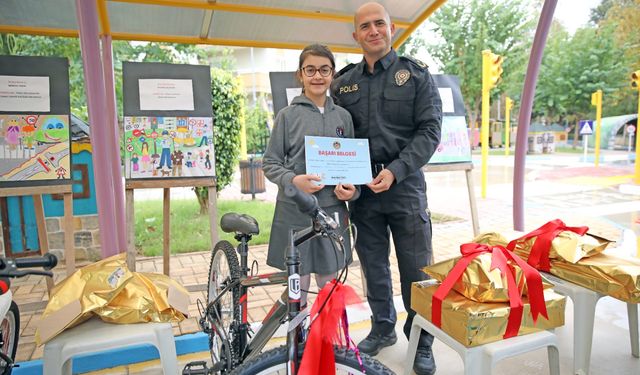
{"points": [[253, 9], [103, 15], [421, 18], [225, 42], [44, 31], [10, 29], [207, 19]]}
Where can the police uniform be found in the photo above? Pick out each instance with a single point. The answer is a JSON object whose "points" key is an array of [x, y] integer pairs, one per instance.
{"points": [[398, 108]]}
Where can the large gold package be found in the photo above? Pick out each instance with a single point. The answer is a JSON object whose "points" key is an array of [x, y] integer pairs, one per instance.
{"points": [[479, 282], [147, 297], [93, 288], [603, 273], [472, 323], [567, 246]]}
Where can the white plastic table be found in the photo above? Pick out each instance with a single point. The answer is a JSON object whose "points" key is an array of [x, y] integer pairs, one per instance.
{"points": [[481, 359], [584, 311]]}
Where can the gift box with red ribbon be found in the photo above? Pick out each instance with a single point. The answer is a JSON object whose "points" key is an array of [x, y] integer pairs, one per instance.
{"points": [[473, 323], [572, 254]]}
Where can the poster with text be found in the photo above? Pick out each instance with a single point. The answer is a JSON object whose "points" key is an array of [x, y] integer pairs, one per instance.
{"points": [[454, 144], [168, 121], [35, 136]]}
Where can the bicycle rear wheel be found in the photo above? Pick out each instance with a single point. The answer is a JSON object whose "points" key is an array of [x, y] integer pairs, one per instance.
{"points": [[223, 270], [274, 361]]}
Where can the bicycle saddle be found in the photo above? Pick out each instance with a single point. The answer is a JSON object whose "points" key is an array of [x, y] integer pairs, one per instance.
{"points": [[233, 222]]}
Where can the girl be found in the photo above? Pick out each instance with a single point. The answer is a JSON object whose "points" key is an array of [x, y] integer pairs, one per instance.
{"points": [[134, 161], [145, 157], [312, 113]]}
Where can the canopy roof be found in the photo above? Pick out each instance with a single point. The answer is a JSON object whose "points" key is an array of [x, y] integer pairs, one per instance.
{"points": [[251, 23]]}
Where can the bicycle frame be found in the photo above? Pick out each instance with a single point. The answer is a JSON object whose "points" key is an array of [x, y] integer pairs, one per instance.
{"points": [[287, 307]]}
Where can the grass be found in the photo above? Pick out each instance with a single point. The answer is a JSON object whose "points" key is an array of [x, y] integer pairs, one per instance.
{"points": [[190, 230]]}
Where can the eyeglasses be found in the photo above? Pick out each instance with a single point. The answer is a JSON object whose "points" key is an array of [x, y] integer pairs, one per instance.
{"points": [[310, 70]]}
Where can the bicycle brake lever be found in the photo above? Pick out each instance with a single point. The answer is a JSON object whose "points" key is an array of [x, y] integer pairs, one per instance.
{"points": [[29, 272]]}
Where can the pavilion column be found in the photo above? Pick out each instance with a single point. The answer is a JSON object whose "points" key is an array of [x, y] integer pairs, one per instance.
{"points": [[526, 106], [87, 15], [113, 144]]}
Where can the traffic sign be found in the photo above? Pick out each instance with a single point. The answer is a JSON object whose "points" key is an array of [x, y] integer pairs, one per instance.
{"points": [[631, 129], [586, 127]]}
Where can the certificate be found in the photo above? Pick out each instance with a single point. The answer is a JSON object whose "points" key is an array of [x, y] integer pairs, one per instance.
{"points": [[338, 160]]}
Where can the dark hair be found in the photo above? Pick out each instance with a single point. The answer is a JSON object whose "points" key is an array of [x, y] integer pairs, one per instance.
{"points": [[316, 50]]}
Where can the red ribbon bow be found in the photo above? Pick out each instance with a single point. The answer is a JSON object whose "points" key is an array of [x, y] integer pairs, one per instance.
{"points": [[318, 355], [499, 259], [539, 254]]}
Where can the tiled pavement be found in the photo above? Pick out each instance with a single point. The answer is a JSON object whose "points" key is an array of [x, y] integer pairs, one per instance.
{"points": [[546, 199]]}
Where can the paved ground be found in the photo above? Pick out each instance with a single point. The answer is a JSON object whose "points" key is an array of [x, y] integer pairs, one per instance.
{"points": [[557, 186]]}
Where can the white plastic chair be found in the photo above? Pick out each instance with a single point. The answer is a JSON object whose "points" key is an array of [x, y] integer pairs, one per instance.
{"points": [[584, 311], [96, 335], [481, 359]]}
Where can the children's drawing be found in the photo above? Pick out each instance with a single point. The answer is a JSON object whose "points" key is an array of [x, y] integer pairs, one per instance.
{"points": [[34, 148], [156, 147]]}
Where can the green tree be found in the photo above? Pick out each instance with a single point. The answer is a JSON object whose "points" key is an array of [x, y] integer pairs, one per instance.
{"points": [[465, 28], [575, 67], [228, 116], [256, 119]]}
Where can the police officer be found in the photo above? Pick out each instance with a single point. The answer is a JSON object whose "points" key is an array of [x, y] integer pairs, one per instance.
{"points": [[395, 104]]}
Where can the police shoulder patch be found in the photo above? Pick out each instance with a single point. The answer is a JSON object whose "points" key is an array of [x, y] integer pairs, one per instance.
{"points": [[344, 70], [415, 62]]}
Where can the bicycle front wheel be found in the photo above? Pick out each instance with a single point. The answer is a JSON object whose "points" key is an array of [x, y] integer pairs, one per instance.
{"points": [[274, 361], [224, 269]]}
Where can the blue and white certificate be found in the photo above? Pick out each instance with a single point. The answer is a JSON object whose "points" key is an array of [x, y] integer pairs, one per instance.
{"points": [[338, 160]]}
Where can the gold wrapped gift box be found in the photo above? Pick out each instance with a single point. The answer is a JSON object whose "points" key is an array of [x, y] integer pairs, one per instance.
{"points": [[603, 273], [567, 246], [479, 282], [108, 289], [472, 323]]}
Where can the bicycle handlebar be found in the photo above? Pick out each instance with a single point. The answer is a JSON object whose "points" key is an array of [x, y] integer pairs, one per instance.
{"points": [[9, 266], [308, 204]]}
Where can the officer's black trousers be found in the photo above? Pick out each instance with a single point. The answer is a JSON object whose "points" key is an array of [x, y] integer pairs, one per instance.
{"points": [[402, 210]]}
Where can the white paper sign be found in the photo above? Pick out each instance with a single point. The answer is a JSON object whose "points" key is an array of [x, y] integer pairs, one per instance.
{"points": [[292, 92], [446, 95], [24, 94], [166, 94]]}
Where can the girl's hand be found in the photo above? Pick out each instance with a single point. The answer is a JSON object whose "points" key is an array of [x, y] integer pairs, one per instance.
{"points": [[305, 182], [344, 192]]}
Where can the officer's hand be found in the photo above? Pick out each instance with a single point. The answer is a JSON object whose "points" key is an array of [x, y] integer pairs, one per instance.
{"points": [[382, 182], [305, 182], [344, 192]]}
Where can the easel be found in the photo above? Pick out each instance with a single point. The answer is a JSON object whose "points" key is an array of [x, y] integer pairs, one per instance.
{"points": [[37, 192], [467, 167], [166, 185]]}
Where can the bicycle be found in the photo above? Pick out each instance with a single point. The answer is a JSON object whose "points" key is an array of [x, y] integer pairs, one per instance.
{"points": [[234, 347], [9, 311]]}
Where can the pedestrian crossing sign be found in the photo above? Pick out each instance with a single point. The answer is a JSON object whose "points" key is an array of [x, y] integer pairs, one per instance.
{"points": [[586, 127]]}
